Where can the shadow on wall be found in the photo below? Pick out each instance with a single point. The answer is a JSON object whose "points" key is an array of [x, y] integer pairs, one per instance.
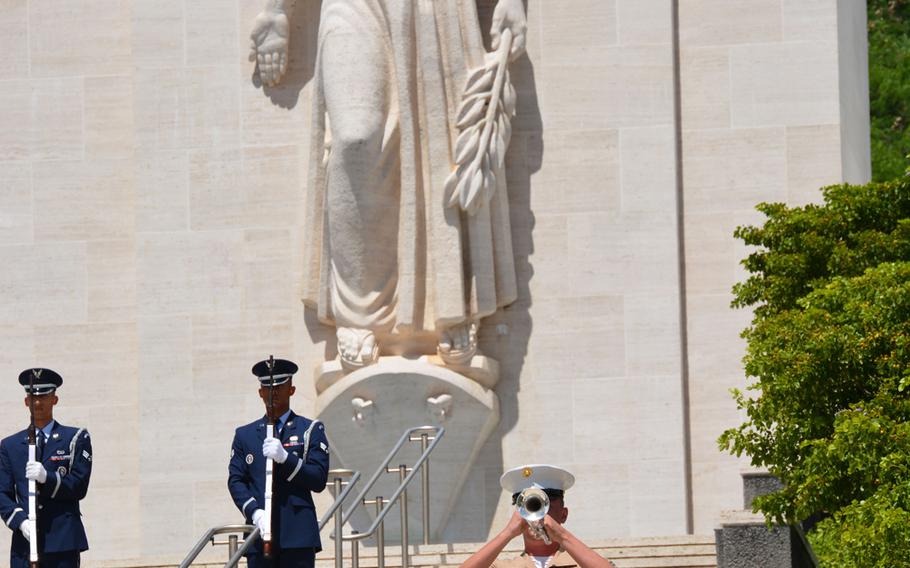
{"points": [[505, 335]]}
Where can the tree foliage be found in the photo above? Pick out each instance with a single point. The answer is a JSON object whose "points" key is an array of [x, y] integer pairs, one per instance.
{"points": [[889, 86], [828, 358]]}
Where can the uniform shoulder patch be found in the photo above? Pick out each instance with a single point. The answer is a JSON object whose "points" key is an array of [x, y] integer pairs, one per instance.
{"points": [[86, 455]]}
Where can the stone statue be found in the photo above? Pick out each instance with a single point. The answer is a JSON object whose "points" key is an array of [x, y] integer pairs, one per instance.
{"points": [[407, 236]]}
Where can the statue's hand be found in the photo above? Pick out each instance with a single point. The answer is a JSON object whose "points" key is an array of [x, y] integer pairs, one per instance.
{"points": [[269, 45], [510, 15]]}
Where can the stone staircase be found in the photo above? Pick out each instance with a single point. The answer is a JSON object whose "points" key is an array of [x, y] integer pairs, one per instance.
{"points": [[646, 552], [649, 552]]}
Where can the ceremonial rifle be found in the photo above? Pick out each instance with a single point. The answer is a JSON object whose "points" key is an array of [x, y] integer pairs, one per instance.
{"points": [[269, 465], [32, 486]]}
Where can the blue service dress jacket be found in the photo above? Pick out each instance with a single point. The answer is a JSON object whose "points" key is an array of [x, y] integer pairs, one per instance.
{"points": [[67, 457], [294, 523]]}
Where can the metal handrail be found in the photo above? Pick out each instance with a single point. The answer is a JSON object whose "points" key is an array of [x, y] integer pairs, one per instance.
{"points": [[210, 535], [336, 510], [440, 431], [341, 516], [339, 498], [247, 542], [385, 505], [336, 505]]}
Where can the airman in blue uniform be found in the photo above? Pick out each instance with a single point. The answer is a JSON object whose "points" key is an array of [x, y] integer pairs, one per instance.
{"points": [[62, 470], [300, 451]]}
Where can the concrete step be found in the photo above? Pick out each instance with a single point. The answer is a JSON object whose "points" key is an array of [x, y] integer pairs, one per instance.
{"points": [[696, 551], [651, 552]]}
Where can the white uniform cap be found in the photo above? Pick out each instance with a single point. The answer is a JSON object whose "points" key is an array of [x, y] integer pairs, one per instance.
{"points": [[536, 475]]}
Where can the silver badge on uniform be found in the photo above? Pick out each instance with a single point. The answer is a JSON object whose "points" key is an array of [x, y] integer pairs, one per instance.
{"points": [[61, 471], [294, 438], [55, 435], [249, 459]]}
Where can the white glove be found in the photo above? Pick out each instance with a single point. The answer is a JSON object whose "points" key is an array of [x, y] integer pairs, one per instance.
{"points": [[272, 448], [26, 528], [259, 520], [35, 471]]}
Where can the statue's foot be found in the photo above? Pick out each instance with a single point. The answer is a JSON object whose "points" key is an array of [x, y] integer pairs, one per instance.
{"points": [[458, 344], [356, 347]]}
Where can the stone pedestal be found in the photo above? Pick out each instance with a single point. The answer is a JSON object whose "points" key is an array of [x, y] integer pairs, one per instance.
{"points": [[370, 408], [744, 540]]}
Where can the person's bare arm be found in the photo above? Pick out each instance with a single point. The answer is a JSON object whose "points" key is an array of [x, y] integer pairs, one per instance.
{"points": [[486, 556], [579, 551]]}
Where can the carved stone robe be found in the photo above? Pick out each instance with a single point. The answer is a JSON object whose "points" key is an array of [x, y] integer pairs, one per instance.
{"points": [[439, 266]]}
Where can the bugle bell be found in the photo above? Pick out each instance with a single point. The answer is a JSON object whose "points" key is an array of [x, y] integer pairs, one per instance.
{"points": [[533, 504]]}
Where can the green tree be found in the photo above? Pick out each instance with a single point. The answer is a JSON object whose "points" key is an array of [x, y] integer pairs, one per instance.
{"points": [[889, 86], [828, 359]]}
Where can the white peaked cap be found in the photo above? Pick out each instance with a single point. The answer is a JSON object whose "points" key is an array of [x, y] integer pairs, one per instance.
{"points": [[536, 475]]}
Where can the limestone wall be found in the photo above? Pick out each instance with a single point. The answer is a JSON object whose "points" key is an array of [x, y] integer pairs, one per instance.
{"points": [[149, 223], [770, 113]]}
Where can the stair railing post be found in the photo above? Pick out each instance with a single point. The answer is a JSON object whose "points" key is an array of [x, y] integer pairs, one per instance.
{"points": [[380, 531], [403, 505], [339, 533], [425, 489], [232, 545], [355, 551], [424, 440]]}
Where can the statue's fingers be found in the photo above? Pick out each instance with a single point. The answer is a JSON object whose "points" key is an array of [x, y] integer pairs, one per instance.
{"points": [[369, 345], [273, 68], [284, 63], [518, 46], [497, 26], [270, 63]]}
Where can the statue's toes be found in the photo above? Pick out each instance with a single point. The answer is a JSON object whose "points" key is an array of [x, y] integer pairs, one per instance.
{"points": [[368, 348]]}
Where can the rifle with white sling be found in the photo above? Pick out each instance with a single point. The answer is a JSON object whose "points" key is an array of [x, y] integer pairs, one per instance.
{"points": [[269, 466], [32, 485]]}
